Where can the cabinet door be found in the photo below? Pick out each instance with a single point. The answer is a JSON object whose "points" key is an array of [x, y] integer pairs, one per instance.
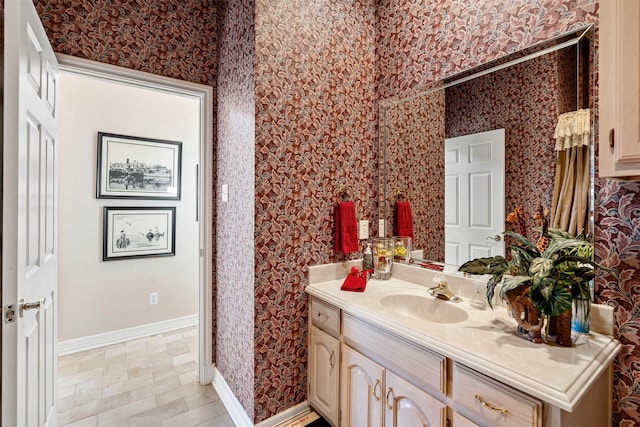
{"points": [[408, 406], [619, 88], [362, 390], [323, 374]]}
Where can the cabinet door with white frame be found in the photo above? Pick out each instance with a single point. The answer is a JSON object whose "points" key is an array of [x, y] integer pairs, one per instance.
{"points": [[362, 386], [619, 141], [323, 374], [408, 406]]}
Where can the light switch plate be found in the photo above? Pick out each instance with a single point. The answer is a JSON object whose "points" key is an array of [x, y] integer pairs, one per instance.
{"points": [[363, 229], [382, 228], [225, 193]]}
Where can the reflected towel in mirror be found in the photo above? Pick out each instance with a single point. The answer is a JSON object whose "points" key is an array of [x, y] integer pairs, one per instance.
{"points": [[403, 223]]}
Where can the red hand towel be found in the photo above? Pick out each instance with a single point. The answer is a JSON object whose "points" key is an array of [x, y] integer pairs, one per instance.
{"points": [[404, 220], [346, 228], [356, 281]]}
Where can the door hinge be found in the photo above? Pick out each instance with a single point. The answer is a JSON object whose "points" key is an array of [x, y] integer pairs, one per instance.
{"points": [[201, 253], [9, 313]]}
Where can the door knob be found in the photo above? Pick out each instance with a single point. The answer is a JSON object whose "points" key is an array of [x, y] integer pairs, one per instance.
{"points": [[31, 305], [497, 238]]}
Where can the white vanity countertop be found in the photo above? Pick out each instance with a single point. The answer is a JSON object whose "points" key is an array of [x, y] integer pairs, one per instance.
{"points": [[485, 341]]}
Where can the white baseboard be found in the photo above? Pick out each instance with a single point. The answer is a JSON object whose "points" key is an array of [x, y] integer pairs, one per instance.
{"points": [[239, 415], [230, 401], [122, 335], [284, 417]]}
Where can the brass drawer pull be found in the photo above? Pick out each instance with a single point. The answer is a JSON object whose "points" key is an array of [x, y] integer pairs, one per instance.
{"points": [[390, 392], [490, 406], [375, 387]]}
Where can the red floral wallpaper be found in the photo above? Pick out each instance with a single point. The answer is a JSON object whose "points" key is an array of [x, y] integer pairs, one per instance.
{"points": [[413, 131], [315, 132], [235, 218]]}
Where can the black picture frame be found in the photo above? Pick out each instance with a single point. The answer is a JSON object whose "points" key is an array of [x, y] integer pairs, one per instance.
{"points": [[138, 168], [138, 232]]}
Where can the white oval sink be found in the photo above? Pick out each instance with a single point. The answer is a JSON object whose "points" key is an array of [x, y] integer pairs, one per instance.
{"points": [[424, 308]]}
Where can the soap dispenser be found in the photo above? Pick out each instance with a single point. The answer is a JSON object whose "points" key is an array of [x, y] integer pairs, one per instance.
{"points": [[367, 258]]}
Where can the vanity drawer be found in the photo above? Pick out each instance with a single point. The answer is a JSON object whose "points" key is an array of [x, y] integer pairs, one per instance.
{"points": [[325, 317], [418, 365], [471, 389]]}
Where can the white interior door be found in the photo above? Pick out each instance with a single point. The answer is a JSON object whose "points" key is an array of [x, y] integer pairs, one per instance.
{"points": [[474, 196], [29, 234]]}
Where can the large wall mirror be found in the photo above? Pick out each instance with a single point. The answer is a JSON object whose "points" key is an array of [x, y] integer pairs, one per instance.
{"points": [[524, 94]]}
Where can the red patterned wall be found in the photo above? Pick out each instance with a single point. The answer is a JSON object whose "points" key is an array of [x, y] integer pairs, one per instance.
{"points": [[235, 219], [315, 131]]}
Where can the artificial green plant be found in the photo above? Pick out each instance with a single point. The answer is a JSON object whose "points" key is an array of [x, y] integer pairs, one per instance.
{"points": [[558, 275]]}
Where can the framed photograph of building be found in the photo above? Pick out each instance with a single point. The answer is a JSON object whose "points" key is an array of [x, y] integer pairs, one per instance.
{"points": [[140, 168], [134, 232]]}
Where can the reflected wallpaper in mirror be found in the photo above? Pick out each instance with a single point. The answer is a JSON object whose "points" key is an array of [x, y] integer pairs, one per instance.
{"points": [[525, 99]]}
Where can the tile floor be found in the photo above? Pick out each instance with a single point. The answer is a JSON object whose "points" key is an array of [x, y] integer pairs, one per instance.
{"points": [[145, 382]]}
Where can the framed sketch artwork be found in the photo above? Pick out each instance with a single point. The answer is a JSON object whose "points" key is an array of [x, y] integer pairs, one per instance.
{"points": [[133, 232], [141, 168]]}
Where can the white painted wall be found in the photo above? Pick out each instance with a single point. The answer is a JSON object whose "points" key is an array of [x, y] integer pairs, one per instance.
{"points": [[98, 296]]}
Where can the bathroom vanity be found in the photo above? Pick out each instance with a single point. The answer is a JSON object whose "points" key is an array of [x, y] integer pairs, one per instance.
{"points": [[395, 356]]}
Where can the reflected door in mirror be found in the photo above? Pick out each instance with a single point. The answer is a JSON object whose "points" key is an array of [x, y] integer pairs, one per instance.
{"points": [[474, 196]]}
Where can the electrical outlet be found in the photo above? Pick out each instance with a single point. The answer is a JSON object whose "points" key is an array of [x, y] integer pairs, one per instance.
{"points": [[363, 229], [153, 298]]}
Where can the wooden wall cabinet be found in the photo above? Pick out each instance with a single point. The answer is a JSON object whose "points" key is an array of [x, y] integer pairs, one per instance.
{"points": [[619, 64]]}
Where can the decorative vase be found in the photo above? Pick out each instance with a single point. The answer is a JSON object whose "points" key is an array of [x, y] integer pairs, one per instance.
{"points": [[560, 326], [530, 320]]}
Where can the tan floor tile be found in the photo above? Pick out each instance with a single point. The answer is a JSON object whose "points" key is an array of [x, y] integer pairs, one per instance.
{"points": [[177, 348], [66, 391], [203, 396], [165, 372], [156, 388], [114, 401], [120, 415], [115, 350], [194, 416], [136, 383], [83, 411], [137, 371], [178, 393], [67, 380], [86, 422], [189, 332], [223, 420], [63, 417], [128, 385], [184, 358], [156, 415], [188, 378]]}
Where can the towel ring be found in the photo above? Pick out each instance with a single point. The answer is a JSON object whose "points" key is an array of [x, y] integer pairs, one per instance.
{"points": [[400, 196], [345, 193]]}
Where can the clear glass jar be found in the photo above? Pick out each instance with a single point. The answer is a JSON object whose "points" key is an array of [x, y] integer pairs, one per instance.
{"points": [[382, 257], [479, 293]]}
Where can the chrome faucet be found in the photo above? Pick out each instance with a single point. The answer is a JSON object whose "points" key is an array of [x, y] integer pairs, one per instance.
{"points": [[442, 291]]}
